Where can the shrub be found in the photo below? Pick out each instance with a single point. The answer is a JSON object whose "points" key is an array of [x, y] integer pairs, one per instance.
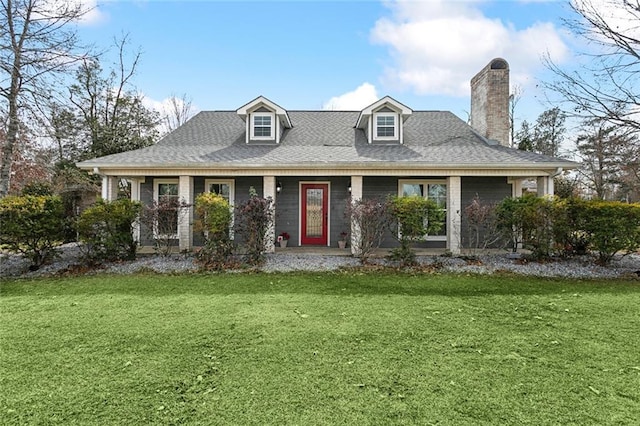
{"points": [[161, 220], [528, 220], [32, 225], [107, 230], [569, 229], [611, 227], [214, 221], [369, 220], [414, 218], [254, 223], [38, 188]]}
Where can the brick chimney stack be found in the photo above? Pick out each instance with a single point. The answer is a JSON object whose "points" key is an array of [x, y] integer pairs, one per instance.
{"points": [[490, 101]]}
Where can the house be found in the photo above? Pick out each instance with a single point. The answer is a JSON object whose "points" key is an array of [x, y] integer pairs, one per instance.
{"points": [[312, 162]]}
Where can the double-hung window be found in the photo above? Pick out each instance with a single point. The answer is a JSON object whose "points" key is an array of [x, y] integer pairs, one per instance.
{"points": [[386, 126], [262, 126], [168, 204], [434, 190]]}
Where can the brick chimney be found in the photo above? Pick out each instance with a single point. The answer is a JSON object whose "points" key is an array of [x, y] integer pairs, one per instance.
{"points": [[490, 101]]}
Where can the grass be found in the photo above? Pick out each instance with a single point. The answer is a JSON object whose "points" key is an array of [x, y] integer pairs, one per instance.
{"points": [[311, 349]]}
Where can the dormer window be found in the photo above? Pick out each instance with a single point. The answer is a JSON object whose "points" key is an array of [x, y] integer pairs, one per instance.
{"points": [[386, 126], [265, 121], [262, 126], [383, 121]]}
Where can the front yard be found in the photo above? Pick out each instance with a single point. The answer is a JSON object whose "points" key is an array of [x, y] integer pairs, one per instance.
{"points": [[319, 348]]}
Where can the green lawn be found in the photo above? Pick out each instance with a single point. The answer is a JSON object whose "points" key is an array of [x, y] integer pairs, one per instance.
{"points": [[311, 349]]}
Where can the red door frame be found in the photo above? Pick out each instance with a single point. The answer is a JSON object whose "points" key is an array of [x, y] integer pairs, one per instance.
{"points": [[324, 238]]}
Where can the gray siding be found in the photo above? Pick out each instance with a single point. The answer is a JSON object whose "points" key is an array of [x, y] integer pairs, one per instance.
{"points": [[288, 207]]}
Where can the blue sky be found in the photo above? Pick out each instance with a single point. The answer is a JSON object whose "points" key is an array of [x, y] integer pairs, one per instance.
{"points": [[339, 54]]}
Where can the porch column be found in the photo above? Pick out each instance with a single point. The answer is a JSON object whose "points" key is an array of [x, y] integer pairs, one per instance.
{"points": [[269, 190], [109, 188], [545, 186], [356, 194], [516, 187], [185, 217], [135, 196], [454, 206]]}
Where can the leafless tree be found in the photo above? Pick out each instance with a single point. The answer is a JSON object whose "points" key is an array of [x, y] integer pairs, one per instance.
{"points": [[177, 113], [607, 85], [514, 99], [37, 42]]}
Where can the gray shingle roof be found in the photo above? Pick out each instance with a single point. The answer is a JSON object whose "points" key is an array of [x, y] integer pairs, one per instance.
{"points": [[431, 139]]}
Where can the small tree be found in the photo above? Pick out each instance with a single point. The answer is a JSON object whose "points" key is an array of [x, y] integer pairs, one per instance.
{"points": [[369, 220], [414, 218], [214, 221], [482, 225], [32, 225], [254, 223], [107, 230]]}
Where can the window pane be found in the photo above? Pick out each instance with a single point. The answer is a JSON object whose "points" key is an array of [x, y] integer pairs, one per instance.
{"points": [[221, 189], [411, 189], [167, 189], [438, 193]]}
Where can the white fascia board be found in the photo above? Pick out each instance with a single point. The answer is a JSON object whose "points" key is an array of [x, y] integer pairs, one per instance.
{"points": [[401, 108]]}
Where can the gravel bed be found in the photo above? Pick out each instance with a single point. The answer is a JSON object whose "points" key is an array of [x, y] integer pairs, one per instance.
{"points": [[12, 265]]}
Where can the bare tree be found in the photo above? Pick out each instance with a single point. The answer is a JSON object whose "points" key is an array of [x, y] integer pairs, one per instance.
{"points": [[111, 111], [600, 149], [514, 99], [177, 113], [607, 86], [37, 42]]}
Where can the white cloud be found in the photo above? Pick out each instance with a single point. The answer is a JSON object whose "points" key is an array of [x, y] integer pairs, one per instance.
{"points": [[437, 46], [355, 100]]}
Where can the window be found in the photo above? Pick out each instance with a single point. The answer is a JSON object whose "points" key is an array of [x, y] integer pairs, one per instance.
{"points": [[386, 127], [220, 187], [262, 126], [433, 190], [168, 203]]}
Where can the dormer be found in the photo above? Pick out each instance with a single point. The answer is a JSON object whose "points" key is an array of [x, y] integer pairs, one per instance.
{"points": [[383, 121], [265, 120]]}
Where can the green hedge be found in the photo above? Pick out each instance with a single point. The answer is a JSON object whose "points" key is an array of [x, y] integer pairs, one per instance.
{"points": [[32, 225], [550, 226]]}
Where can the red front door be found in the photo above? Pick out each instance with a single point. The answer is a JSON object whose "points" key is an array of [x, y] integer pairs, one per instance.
{"points": [[315, 214]]}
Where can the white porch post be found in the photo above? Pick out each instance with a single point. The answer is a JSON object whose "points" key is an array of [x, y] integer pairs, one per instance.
{"points": [[356, 194], [454, 206], [545, 186], [135, 196], [185, 218], [269, 190], [109, 188], [516, 187]]}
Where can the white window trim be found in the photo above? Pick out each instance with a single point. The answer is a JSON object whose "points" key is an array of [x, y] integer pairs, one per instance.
{"points": [[396, 126], [273, 125], [232, 198], [156, 197], [426, 183]]}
